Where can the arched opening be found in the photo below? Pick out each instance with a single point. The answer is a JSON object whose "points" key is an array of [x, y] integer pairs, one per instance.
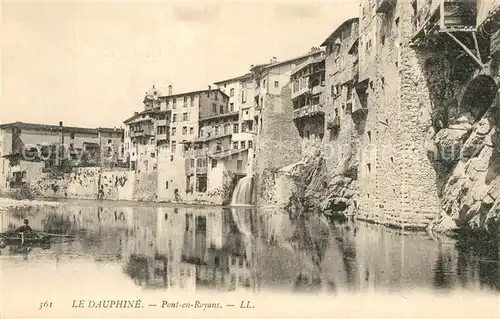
{"points": [[479, 95]]}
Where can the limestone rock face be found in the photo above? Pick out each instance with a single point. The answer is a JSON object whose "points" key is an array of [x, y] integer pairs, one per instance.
{"points": [[449, 140], [471, 194]]}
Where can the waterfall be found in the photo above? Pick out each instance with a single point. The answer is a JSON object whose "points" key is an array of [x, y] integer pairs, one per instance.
{"points": [[242, 194]]}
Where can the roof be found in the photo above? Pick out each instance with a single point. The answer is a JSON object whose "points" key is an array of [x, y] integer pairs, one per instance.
{"points": [[110, 130], [237, 78], [55, 128], [192, 92], [278, 63], [309, 61], [335, 33], [148, 111]]}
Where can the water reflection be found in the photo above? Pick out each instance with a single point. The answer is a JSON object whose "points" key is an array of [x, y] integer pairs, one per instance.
{"points": [[159, 247]]}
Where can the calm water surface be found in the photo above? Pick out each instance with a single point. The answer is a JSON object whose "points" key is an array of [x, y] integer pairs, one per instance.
{"points": [[134, 246]]}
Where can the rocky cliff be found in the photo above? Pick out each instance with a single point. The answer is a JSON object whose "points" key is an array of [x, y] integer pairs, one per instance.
{"points": [[470, 162]]}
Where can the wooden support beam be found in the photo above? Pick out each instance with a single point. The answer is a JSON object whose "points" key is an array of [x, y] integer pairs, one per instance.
{"points": [[466, 50], [477, 46]]}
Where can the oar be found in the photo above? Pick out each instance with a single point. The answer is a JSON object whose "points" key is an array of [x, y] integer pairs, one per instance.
{"points": [[56, 235]]}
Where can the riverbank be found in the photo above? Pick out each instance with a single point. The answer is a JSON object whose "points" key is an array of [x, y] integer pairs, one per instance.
{"points": [[10, 203]]}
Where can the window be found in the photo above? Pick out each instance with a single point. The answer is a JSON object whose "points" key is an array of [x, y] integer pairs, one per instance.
{"points": [[235, 128], [221, 108], [201, 183], [226, 129], [184, 130], [191, 162], [276, 84], [250, 144], [174, 145], [214, 163], [109, 141], [216, 130], [250, 126], [243, 145], [239, 165], [231, 92], [173, 131], [174, 118], [191, 101], [243, 96], [174, 104], [185, 117], [214, 108], [231, 107], [191, 131], [243, 127], [235, 145], [166, 187]]}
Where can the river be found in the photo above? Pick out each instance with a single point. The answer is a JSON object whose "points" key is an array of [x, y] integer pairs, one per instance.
{"points": [[138, 248]]}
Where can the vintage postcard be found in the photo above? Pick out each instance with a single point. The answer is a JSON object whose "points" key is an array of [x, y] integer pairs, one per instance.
{"points": [[333, 159]]}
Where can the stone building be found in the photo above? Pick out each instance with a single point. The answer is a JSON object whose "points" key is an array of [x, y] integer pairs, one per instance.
{"points": [[278, 143], [187, 108], [27, 148], [190, 112], [240, 92], [214, 159], [146, 132], [308, 84], [340, 101], [419, 79]]}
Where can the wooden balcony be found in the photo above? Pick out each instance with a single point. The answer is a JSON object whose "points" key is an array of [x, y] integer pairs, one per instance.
{"points": [[308, 110], [141, 132]]}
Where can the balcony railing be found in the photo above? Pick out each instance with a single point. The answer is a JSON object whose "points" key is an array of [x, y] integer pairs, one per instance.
{"points": [[201, 170], [161, 123], [301, 91], [141, 132], [309, 110], [202, 152], [161, 137]]}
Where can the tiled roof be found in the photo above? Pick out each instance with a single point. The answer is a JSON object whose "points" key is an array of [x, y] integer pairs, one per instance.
{"points": [[56, 128]]}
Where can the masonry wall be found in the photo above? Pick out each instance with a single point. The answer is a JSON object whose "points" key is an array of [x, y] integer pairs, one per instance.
{"points": [[279, 142], [397, 183]]}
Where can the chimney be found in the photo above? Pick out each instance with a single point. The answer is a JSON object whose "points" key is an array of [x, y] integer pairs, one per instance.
{"points": [[169, 90], [209, 89]]}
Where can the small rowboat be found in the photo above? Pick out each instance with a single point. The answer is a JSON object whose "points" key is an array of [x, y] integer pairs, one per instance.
{"points": [[28, 239]]}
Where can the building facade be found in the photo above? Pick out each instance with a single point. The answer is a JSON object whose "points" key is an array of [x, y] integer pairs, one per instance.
{"points": [[27, 148], [308, 83]]}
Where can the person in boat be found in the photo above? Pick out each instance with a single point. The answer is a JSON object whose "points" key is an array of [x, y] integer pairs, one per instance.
{"points": [[25, 228]]}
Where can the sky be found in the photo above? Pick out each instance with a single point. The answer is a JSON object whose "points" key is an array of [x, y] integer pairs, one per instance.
{"points": [[90, 63]]}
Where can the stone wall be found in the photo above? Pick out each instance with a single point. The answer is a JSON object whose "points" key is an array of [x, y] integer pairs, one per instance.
{"points": [[145, 186], [279, 143], [87, 183]]}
